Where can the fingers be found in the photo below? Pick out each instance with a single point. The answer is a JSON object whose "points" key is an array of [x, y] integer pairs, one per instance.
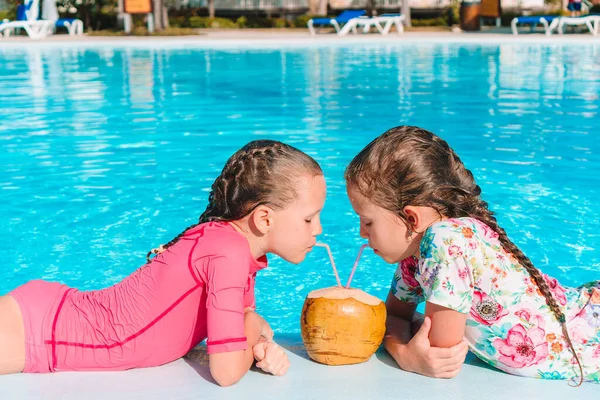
{"points": [[259, 351], [448, 367], [447, 374], [282, 367], [454, 352], [275, 360]]}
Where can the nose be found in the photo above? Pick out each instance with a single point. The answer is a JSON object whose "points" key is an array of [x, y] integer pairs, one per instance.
{"points": [[363, 232], [318, 229]]}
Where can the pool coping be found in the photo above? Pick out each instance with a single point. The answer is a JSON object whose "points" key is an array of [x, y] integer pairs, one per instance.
{"points": [[261, 39], [378, 378]]}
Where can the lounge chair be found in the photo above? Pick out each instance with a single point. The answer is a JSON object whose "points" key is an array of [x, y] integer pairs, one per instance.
{"points": [[50, 13], [388, 20], [336, 22], [34, 29], [27, 15], [74, 26], [549, 22], [591, 21]]}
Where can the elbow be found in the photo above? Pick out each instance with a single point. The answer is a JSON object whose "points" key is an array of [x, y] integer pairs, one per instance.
{"points": [[225, 379], [225, 376]]}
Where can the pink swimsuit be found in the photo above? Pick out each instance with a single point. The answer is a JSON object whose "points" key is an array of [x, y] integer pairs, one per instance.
{"points": [[195, 290]]}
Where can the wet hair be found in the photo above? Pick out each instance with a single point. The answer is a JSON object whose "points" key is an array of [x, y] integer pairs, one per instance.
{"points": [[263, 172], [408, 165]]}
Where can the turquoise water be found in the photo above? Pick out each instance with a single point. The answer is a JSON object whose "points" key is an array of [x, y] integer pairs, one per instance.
{"points": [[107, 152]]}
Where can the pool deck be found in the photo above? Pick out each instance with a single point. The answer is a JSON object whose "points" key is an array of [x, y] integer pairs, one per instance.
{"points": [[379, 378], [294, 37]]}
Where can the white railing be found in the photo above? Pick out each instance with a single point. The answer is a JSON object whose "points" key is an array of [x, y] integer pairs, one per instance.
{"points": [[303, 4], [248, 4], [394, 3]]}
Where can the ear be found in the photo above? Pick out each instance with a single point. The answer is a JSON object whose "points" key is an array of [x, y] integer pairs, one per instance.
{"points": [[420, 217], [262, 219], [414, 217]]}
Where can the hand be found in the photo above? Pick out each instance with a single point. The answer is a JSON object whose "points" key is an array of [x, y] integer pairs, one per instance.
{"points": [[271, 358], [435, 362]]}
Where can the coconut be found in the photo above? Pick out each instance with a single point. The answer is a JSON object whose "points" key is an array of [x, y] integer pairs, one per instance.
{"points": [[342, 325]]}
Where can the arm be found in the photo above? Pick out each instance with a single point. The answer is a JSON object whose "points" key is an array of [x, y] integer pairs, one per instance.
{"points": [[232, 329], [416, 353], [398, 324], [229, 367], [447, 325]]}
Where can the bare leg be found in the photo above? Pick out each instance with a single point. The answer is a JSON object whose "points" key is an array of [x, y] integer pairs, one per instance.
{"points": [[12, 337]]}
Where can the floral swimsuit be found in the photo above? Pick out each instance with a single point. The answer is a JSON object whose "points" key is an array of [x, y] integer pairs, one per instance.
{"points": [[463, 266]]}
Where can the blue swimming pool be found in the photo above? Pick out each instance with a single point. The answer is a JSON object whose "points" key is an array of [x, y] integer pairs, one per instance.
{"points": [[109, 152]]}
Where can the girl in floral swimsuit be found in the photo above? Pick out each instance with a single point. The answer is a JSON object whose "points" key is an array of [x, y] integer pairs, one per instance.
{"points": [[421, 208]]}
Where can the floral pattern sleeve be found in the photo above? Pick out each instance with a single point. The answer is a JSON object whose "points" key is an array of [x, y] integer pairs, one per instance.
{"points": [[445, 272], [404, 285]]}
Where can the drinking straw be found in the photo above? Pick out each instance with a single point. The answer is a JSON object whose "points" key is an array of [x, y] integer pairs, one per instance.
{"points": [[337, 277], [355, 264]]}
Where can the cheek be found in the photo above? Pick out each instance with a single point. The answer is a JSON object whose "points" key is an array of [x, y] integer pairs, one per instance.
{"points": [[289, 232]]}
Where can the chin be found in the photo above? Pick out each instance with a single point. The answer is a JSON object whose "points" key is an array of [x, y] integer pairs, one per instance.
{"points": [[388, 259], [295, 260]]}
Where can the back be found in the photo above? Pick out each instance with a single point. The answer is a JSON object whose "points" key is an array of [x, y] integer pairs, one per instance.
{"points": [[155, 315]]}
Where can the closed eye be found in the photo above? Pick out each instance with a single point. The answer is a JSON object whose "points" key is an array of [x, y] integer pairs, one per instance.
{"points": [[310, 218]]}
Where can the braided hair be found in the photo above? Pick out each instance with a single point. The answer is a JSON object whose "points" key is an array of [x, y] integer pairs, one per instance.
{"points": [[263, 172], [408, 165]]}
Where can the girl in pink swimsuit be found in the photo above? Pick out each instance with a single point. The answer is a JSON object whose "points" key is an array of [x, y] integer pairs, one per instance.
{"points": [[198, 286]]}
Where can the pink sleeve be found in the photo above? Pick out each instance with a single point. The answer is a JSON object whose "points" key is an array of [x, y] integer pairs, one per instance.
{"points": [[249, 297], [226, 279]]}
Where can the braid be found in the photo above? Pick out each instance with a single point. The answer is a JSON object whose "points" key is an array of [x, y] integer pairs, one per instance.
{"points": [[478, 209], [482, 213], [163, 247], [263, 172], [408, 165]]}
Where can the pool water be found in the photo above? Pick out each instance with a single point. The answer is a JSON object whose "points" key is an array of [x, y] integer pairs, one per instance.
{"points": [[108, 152]]}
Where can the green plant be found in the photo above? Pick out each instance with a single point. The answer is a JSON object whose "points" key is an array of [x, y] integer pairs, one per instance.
{"points": [[439, 21], [258, 22], [302, 20], [179, 22], [454, 13], [199, 22], [242, 22], [7, 15], [222, 23], [207, 22], [280, 23], [142, 31]]}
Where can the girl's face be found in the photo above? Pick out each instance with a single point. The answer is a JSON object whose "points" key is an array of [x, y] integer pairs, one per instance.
{"points": [[387, 233], [295, 228]]}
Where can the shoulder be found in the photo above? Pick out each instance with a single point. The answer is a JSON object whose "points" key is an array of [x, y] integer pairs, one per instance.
{"points": [[457, 236], [216, 239], [446, 233]]}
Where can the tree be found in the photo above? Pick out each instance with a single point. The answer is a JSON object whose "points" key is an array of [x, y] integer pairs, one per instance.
{"points": [[161, 17], [406, 12], [211, 8], [370, 7], [322, 7]]}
